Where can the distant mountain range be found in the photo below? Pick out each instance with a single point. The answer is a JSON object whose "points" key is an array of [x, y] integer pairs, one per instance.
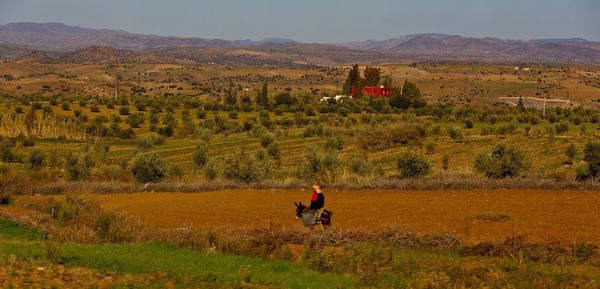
{"points": [[439, 45], [75, 44]]}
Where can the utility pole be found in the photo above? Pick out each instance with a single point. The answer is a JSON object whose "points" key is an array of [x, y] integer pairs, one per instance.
{"points": [[466, 84]]}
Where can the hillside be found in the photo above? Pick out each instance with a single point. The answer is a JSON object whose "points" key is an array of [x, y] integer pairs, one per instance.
{"points": [[20, 39], [442, 46], [105, 55]]}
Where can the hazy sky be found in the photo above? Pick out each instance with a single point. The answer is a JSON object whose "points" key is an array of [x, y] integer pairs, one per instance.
{"points": [[325, 21]]}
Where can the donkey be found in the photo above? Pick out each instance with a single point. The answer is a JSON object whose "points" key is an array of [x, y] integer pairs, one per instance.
{"points": [[304, 213]]}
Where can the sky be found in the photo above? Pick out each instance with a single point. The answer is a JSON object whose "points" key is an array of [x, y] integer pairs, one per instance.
{"points": [[323, 21]]}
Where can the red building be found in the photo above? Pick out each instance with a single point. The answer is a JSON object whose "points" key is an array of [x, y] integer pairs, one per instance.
{"points": [[373, 91]]}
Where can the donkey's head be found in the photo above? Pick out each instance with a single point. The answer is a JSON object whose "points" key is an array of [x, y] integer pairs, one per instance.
{"points": [[299, 209]]}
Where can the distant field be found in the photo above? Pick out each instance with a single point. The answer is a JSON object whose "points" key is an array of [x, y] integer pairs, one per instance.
{"points": [[445, 83], [473, 215]]}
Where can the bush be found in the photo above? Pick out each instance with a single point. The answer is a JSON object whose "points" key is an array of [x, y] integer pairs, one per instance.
{"points": [[175, 171], [382, 138], [319, 165], [124, 110], [211, 170], [334, 143], [504, 161], [35, 160], [149, 142], [313, 130], [7, 152], [412, 165], [148, 167], [200, 155], [562, 127], [591, 154], [266, 139], [571, 152], [166, 131], [455, 133], [468, 123], [245, 168], [274, 151], [79, 166], [361, 166], [445, 162]]}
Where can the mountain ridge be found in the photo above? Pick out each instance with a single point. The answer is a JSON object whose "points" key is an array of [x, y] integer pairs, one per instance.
{"points": [[19, 39]]}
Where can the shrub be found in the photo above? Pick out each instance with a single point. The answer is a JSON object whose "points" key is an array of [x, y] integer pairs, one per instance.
{"points": [[124, 110], [503, 161], [211, 170], [266, 139], [455, 133], [274, 151], [148, 142], [430, 147], [313, 130], [148, 167], [591, 154], [321, 165], [468, 123], [175, 171], [7, 152], [166, 131], [361, 166], [334, 143], [79, 166], [35, 160], [571, 152], [245, 168], [562, 127], [445, 162], [382, 138], [200, 155], [412, 165]]}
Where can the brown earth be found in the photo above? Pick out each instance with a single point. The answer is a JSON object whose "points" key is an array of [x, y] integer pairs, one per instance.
{"points": [[474, 215]]}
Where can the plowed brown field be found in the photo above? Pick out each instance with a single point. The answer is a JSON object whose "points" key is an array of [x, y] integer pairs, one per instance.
{"points": [[540, 215]]}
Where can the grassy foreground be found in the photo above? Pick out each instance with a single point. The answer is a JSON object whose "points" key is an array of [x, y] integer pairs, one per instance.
{"points": [[24, 251], [181, 267]]}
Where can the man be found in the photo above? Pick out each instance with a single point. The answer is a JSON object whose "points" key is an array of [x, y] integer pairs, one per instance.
{"points": [[317, 202]]}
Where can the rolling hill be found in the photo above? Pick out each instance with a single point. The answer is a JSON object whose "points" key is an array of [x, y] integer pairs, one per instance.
{"points": [[440, 46], [75, 44]]}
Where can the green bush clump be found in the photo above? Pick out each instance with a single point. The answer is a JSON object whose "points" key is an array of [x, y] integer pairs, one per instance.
{"points": [[35, 160], [246, 168], [334, 143], [7, 152], [149, 142], [412, 165], [148, 167], [361, 166], [503, 161], [320, 165], [274, 151], [591, 154], [266, 139], [385, 137], [200, 155], [79, 166]]}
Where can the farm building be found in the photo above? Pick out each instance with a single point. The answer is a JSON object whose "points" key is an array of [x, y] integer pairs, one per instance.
{"points": [[373, 91]]}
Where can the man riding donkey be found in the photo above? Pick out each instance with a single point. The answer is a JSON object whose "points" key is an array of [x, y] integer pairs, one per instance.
{"points": [[314, 213]]}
